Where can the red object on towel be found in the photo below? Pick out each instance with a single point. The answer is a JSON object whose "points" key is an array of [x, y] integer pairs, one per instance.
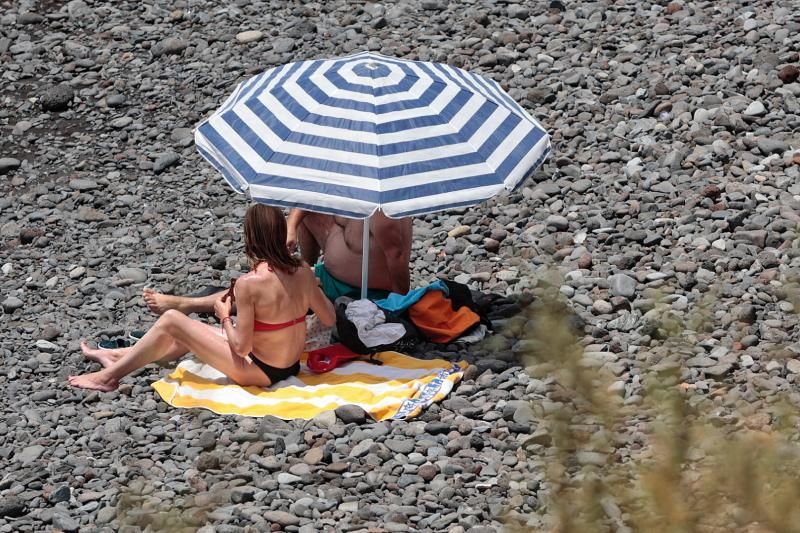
{"points": [[328, 358], [436, 319]]}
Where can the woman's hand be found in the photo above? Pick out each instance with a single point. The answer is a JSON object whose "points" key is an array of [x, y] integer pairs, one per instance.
{"points": [[223, 307]]}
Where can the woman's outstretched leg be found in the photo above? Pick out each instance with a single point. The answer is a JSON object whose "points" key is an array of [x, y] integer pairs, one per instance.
{"points": [[175, 328], [108, 357], [105, 357], [156, 344]]}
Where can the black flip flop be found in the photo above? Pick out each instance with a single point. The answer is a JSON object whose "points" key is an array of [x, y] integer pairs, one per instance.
{"points": [[113, 344]]}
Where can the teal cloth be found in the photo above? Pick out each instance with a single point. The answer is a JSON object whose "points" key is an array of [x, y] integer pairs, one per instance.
{"points": [[333, 288], [398, 303]]}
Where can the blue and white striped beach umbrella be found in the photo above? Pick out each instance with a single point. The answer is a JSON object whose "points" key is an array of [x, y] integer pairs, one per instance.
{"points": [[364, 132]]}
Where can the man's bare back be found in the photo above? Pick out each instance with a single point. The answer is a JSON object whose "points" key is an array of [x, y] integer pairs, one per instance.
{"points": [[340, 239]]}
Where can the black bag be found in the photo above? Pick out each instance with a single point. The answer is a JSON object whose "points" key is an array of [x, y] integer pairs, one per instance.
{"points": [[347, 334]]}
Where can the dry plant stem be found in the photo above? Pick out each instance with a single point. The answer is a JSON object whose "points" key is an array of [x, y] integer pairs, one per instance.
{"points": [[697, 472]]}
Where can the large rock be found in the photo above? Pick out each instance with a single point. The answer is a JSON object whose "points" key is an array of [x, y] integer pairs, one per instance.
{"points": [[769, 146], [30, 18], [12, 506], [11, 304], [622, 285], [281, 518], [170, 45], [789, 74], [7, 164], [351, 414], [164, 161], [282, 45], [249, 36], [57, 97], [755, 109]]}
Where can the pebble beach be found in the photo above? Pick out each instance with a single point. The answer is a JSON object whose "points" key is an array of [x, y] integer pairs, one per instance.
{"points": [[673, 188]]}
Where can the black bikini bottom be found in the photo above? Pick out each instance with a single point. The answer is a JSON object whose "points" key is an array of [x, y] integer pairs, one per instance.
{"points": [[275, 374]]}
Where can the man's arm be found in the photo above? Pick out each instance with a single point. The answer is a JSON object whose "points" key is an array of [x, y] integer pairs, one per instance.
{"points": [[293, 221], [394, 238]]}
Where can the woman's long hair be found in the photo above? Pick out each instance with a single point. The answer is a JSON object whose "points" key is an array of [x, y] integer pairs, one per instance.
{"points": [[265, 238]]}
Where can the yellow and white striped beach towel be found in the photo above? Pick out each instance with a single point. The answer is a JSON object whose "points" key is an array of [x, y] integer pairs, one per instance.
{"points": [[400, 388]]}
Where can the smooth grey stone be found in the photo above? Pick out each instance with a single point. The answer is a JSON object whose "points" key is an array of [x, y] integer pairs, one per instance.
{"points": [[622, 285], [115, 100], [65, 523], [755, 109], [30, 18], [249, 36], [432, 5], [165, 161], [12, 506], [11, 304], [170, 45], [361, 448], [121, 122], [404, 446], [282, 45], [285, 479], [558, 222], [718, 370], [581, 186], [43, 396], [180, 134], [46, 346], [769, 146], [83, 185], [281, 518], [136, 274], [436, 427], [351, 414], [8, 164]]}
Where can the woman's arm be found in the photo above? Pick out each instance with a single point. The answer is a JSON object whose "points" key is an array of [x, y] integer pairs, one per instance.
{"points": [[320, 304], [240, 338]]}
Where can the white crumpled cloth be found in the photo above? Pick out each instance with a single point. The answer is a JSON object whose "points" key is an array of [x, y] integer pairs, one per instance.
{"points": [[371, 325]]}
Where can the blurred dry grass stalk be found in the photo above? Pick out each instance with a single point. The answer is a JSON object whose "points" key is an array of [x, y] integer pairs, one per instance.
{"points": [[136, 508], [694, 472]]}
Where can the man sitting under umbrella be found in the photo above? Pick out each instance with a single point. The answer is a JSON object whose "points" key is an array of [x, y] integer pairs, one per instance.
{"points": [[339, 239]]}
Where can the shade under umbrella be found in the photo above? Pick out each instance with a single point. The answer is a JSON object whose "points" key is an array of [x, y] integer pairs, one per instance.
{"points": [[351, 135]]}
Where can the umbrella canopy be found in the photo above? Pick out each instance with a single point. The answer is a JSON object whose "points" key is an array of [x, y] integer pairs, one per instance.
{"points": [[364, 132]]}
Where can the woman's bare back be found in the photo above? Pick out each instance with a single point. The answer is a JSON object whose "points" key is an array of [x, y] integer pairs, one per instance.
{"points": [[280, 297]]}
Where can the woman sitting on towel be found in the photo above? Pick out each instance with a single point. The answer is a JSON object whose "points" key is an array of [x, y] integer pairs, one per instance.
{"points": [[264, 346]]}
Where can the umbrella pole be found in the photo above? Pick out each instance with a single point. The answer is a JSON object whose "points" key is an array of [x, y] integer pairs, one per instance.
{"points": [[365, 259]]}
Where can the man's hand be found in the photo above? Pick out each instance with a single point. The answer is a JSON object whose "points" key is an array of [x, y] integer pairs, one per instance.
{"points": [[293, 221], [291, 240]]}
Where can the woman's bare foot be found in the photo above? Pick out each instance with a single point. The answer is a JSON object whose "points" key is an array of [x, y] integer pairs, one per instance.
{"points": [[104, 357], [159, 303], [94, 381]]}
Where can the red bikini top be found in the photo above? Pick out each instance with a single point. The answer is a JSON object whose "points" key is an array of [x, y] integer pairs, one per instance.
{"points": [[266, 326]]}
